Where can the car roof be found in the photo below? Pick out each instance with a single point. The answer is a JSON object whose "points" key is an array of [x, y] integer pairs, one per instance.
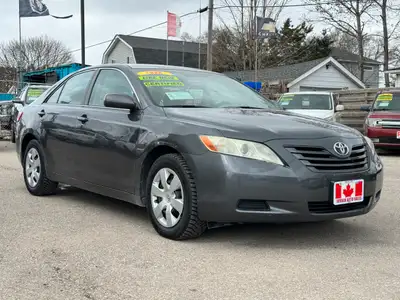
{"points": [[388, 91], [38, 86], [310, 92], [149, 66]]}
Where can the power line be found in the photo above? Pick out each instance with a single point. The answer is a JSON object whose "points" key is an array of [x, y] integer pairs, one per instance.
{"points": [[138, 31], [196, 12], [275, 6]]}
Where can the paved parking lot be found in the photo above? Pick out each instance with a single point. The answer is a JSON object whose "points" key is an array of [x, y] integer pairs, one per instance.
{"points": [[77, 245]]}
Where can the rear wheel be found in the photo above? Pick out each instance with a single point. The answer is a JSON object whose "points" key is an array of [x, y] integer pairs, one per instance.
{"points": [[35, 176], [172, 199]]}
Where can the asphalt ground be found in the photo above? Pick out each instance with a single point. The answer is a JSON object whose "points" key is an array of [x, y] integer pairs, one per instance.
{"points": [[77, 245]]}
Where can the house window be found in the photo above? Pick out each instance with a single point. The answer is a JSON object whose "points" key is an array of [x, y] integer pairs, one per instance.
{"points": [[127, 59], [113, 61], [368, 68]]}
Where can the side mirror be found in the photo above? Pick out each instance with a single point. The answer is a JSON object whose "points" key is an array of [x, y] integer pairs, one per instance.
{"points": [[121, 101], [365, 107], [18, 101], [340, 107]]}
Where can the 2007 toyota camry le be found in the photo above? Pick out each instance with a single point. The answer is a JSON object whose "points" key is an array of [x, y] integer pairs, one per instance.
{"points": [[195, 148]]}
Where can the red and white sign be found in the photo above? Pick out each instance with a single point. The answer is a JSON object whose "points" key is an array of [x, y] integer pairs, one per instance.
{"points": [[345, 192], [398, 134], [173, 25]]}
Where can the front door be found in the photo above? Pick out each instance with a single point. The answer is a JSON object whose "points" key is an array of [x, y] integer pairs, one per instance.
{"points": [[60, 135], [110, 135]]}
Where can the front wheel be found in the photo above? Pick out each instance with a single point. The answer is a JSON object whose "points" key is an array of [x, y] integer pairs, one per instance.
{"points": [[13, 133], [172, 199], [35, 176]]}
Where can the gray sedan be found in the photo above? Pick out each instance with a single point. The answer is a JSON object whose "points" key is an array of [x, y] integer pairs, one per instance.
{"points": [[195, 148]]}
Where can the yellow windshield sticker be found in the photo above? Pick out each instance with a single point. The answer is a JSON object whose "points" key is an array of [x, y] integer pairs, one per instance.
{"points": [[163, 83], [158, 77], [153, 73], [35, 92], [385, 97], [287, 97]]}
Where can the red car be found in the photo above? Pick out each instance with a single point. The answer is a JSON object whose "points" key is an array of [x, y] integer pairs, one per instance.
{"points": [[382, 124]]}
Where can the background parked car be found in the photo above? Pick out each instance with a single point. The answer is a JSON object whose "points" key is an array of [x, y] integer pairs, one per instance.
{"points": [[28, 94], [313, 104], [382, 124]]}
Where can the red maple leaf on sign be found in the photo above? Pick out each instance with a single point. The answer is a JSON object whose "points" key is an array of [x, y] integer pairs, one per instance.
{"points": [[348, 191]]}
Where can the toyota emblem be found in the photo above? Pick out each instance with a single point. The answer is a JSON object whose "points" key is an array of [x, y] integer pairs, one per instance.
{"points": [[341, 149]]}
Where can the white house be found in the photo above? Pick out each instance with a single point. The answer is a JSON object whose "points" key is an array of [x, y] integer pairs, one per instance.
{"points": [[395, 71], [325, 74], [144, 50]]}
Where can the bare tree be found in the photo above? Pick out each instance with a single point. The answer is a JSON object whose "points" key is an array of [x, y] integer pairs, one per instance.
{"points": [[34, 53], [349, 17], [384, 12], [241, 22], [373, 44]]}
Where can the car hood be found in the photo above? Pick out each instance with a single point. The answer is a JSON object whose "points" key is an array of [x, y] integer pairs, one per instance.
{"points": [[385, 114], [260, 125], [317, 113]]}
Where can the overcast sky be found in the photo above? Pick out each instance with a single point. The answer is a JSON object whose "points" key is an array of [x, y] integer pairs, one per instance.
{"points": [[104, 19]]}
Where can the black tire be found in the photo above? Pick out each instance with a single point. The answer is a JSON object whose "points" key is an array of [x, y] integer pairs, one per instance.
{"points": [[189, 226], [45, 186], [13, 134]]}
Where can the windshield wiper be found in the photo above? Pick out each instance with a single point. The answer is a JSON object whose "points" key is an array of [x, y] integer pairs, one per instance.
{"points": [[189, 105], [246, 107]]}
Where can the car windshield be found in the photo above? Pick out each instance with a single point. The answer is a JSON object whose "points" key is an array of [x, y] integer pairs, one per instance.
{"points": [[306, 101], [33, 93], [387, 101], [187, 88]]}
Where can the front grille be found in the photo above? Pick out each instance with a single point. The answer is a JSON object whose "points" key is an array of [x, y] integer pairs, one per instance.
{"points": [[390, 124], [319, 159], [389, 140], [328, 207]]}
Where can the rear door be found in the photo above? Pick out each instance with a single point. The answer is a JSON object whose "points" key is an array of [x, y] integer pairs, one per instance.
{"points": [[109, 135], [59, 115]]}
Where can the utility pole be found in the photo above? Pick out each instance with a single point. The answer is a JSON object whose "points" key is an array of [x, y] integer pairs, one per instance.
{"points": [[83, 32], [210, 34]]}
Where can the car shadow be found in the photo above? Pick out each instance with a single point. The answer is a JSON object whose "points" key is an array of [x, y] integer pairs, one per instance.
{"points": [[111, 205], [329, 234]]}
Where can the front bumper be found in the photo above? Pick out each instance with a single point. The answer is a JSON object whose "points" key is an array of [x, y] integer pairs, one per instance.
{"points": [[384, 137], [238, 190]]}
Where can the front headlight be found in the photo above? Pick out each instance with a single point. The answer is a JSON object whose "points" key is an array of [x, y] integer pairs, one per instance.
{"points": [[240, 148], [370, 144], [331, 118], [372, 122]]}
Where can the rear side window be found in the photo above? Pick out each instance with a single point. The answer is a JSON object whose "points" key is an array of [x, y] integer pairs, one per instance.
{"points": [[109, 82], [74, 90]]}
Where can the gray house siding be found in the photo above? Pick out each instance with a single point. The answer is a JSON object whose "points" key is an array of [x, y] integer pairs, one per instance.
{"points": [[371, 73], [324, 79], [120, 54]]}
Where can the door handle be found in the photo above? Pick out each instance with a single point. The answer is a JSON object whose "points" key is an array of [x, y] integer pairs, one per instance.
{"points": [[83, 118], [41, 113]]}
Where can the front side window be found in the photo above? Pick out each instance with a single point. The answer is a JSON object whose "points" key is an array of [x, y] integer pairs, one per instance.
{"points": [[109, 82], [306, 101], [186, 88], [54, 97], [74, 90], [387, 101]]}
